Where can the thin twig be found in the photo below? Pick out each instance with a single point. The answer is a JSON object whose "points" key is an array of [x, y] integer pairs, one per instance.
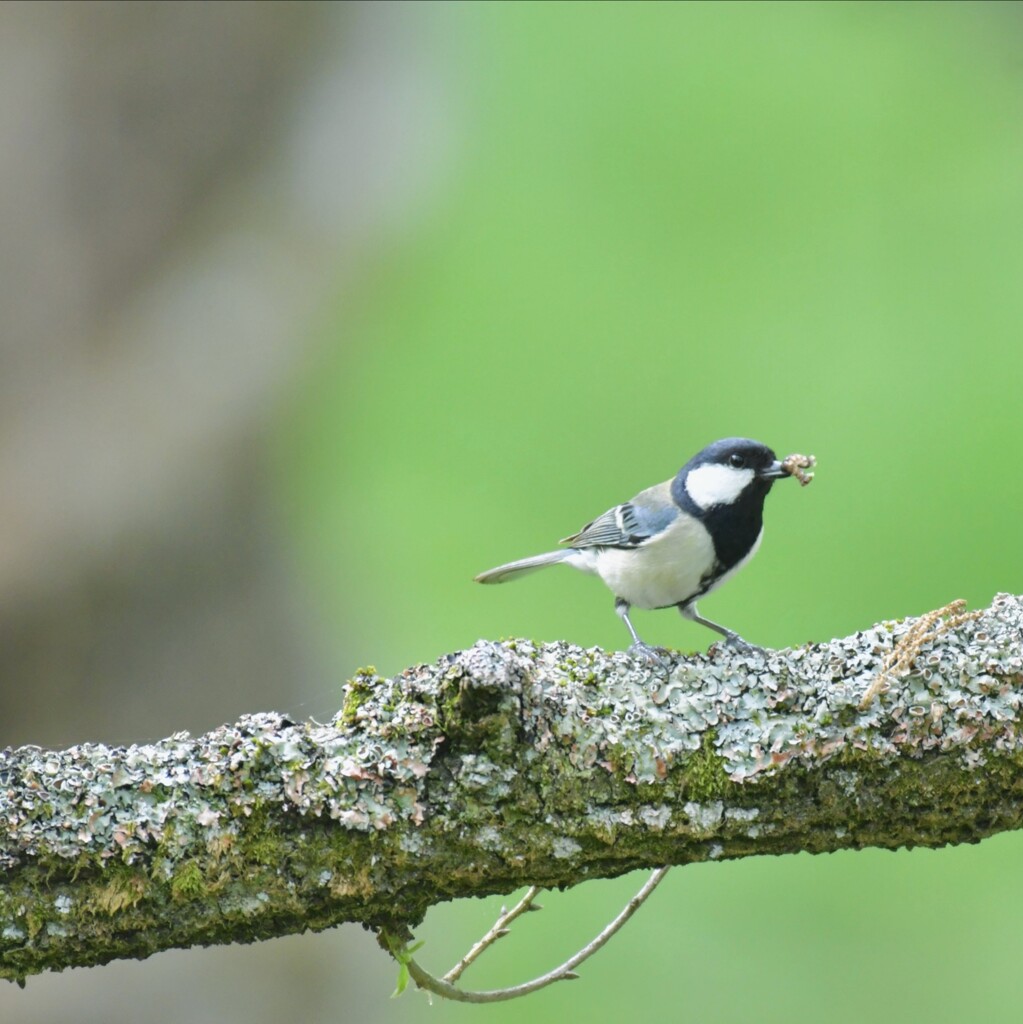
{"points": [[499, 930], [566, 971]]}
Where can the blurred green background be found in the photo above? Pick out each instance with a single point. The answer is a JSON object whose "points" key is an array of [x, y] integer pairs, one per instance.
{"points": [[797, 222], [673, 223], [655, 225]]}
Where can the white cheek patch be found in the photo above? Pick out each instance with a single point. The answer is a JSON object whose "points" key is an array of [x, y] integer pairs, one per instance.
{"points": [[717, 485]]}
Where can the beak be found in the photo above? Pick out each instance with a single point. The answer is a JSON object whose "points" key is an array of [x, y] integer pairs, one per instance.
{"points": [[775, 471]]}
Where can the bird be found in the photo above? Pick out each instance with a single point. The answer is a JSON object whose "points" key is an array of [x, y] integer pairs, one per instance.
{"points": [[674, 542]]}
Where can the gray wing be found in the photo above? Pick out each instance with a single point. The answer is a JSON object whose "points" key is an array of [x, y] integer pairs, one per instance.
{"points": [[631, 524]]}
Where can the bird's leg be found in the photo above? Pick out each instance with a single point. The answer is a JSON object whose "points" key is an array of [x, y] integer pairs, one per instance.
{"points": [[622, 611], [731, 638], [638, 649]]}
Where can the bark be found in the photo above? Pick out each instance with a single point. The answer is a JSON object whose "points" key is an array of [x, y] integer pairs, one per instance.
{"points": [[509, 764]]}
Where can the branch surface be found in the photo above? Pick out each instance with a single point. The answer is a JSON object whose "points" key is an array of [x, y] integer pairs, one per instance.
{"points": [[505, 765]]}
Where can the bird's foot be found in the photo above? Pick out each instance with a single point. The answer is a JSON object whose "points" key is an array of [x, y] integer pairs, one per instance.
{"points": [[737, 643], [646, 652]]}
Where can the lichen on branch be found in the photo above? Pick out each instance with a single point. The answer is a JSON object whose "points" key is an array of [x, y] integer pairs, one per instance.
{"points": [[505, 765]]}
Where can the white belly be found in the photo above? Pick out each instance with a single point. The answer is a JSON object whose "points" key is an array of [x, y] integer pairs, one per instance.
{"points": [[664, 571]]}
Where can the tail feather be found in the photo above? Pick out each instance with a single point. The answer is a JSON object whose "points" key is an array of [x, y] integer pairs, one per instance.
{"points": [[522, 566]]}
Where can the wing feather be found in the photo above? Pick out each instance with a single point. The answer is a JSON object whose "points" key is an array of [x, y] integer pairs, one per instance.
{"points": [[630, 524]]}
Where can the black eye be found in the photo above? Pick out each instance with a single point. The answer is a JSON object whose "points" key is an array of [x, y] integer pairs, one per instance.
{"points": [[736, 460]]}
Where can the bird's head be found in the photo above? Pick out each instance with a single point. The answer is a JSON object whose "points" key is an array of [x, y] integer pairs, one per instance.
{"points": [[728, 471]]}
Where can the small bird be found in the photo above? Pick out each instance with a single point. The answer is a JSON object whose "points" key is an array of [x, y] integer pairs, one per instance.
{"points": [[676, 541]]}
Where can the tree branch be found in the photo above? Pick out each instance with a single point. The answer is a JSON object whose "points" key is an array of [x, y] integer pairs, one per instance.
{"points": [[506, 765]]}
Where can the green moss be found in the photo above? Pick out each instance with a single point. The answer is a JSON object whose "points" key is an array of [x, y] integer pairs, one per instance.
{"points": [[359, 690], [122, 888], [477, 719], [187, 882], [34, 922], [264, 849], [620, 758], [704, 776]]}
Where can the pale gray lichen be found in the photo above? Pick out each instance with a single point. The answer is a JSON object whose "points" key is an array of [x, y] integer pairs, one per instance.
{"points": [[742, 813], [564, 846], [656, 818], [506, 764], [489, 838], [704, 817]]}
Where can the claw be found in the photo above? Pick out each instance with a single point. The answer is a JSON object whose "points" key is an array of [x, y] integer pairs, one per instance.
{"points": [[645, 652], [737, 643]]}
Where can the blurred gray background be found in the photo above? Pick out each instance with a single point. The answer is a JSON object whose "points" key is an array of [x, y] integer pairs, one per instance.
{"points": [[183, 187], [183, 184]]}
